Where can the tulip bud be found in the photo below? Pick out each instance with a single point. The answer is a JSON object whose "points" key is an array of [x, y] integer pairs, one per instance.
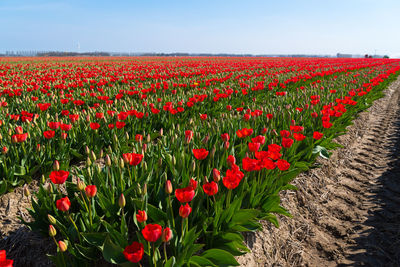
{"points": [[212, 154], [205, 139], [52, 231], [168, 187], [144, 191], [216, 175], [1, 137], [56, 165], [108, 161], [62, 246], [4, 150], [101, 153], [144, 148], [226, 145], [161, 131], [93, 156], [121, 201], [193, 166], [52, 220], [166, 234], [127, 136], [148, 138], [159, 162], [26, 191], [87, 150], [88, 162], [173, 160], [121, 163]]}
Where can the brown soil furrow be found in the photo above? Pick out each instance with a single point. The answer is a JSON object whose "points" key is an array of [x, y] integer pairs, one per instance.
{"points": [[346, 212]]}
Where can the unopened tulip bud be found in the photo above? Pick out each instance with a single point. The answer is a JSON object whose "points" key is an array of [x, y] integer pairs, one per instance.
{"points": [[205, 139], [193, 166], [226, 145], [144, 191], [62, 246], [121, 163], [52, 231], [161, 132], [56, 165], [212, 152], [159, 162], [26, 191], [126, 136], [121, 201], [52, 220], [173, 160], [148, 138], [80, 185], [88, 162], [108, 161], [87, 150], [144, 148], [101, 153], [166, 234], [216, 175], [168, 187], [93, 156]]}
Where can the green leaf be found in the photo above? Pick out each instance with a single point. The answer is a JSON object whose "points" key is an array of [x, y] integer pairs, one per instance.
{"points": [[220, 257], [95, 239], [3, 187], [112, 253], [170, 262], [244, 215], [201, 261], [19, 170]]}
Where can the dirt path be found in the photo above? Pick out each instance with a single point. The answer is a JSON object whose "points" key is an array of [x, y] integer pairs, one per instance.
{"points": [[346, 213]]}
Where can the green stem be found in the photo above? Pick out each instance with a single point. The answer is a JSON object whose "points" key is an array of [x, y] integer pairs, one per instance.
{"points": [[76, 228], [228, 198], [165, 252], [172, 212], [154, 255]]}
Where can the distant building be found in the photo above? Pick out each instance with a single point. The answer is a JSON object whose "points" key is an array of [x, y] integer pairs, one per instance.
{"points": [[343, 55]]}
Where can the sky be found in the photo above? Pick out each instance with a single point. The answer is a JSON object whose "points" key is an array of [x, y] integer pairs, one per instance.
{"points": [[203, 26]]}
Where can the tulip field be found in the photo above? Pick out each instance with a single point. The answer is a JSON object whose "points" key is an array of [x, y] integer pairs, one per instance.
{"points": [[167, 161]]}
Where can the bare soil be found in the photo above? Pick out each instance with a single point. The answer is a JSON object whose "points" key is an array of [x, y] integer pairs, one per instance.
{"points": [[346, 213]]}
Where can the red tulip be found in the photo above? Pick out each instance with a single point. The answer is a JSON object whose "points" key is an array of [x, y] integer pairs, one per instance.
{"points": [[253, 147], [94, 125], [19, 130], [287, 142], [152, 232], [210, 188], [134, 252], [49, 134], [317, 135], [188, 136], [19, 138], [53, 125], [185, 194], [193, 183], [225, 137], [299, 136], [141, 216], [184, 211], [63, 204], [200, 154], [133, 158], [282, 164], [59, 177], [90, 191], [4, 262]]}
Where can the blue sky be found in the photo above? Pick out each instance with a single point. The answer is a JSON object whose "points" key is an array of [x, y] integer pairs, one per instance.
{"points": [[252, 26]]}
